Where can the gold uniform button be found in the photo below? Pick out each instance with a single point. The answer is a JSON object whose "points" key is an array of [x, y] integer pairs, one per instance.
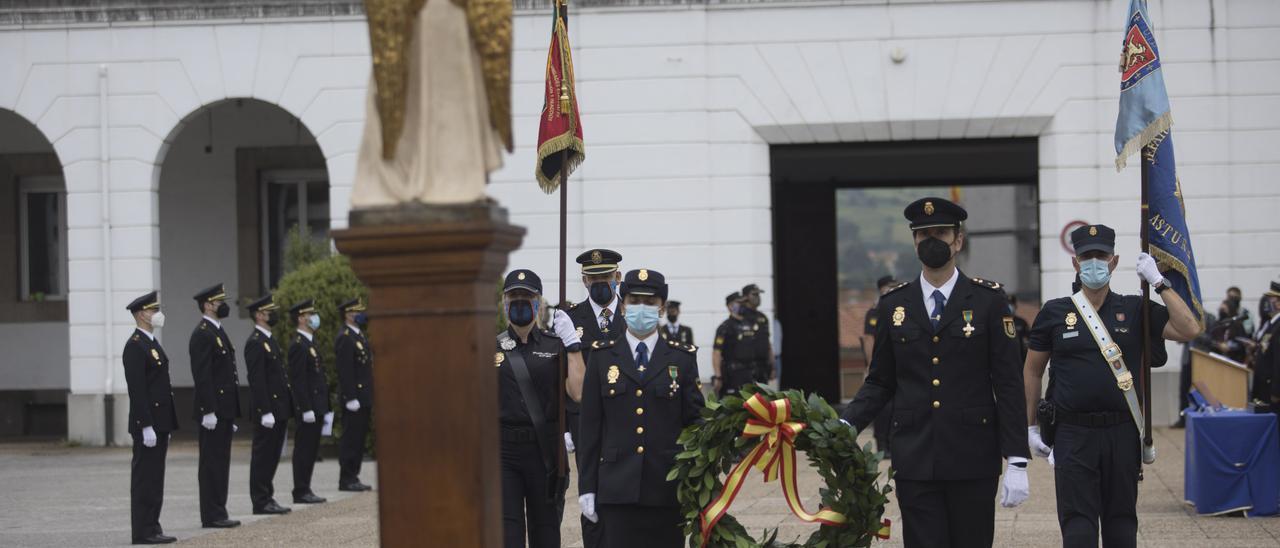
{"points": [[639, 392], [936, 339], [219, 391], [359, 386], [935, 361], [157, 404], [937, 404], [937, 382], [640, 450], [639, 429], [275, 396], [639, 410], [612, 392]]}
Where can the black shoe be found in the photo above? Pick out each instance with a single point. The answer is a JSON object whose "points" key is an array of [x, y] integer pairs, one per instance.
{"points": [[155, 539], [354, 486], [222, 524], [309, 498], [271, 508]]}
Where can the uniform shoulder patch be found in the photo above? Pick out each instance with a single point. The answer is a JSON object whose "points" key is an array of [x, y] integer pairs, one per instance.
{"points": [[604, 343], [897, 287], [994, 286], [681, 346]]}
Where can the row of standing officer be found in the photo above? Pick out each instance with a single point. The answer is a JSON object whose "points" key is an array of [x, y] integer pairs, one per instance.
{"points": [[302, 392]]}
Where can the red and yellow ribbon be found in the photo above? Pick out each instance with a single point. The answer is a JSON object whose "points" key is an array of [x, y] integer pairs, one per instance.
{"points": [[775, 456]]}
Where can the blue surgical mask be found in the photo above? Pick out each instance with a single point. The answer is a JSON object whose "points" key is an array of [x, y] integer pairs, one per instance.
{"points": [[521, 312], [1094, 273], [314, 321], [642, 318]]}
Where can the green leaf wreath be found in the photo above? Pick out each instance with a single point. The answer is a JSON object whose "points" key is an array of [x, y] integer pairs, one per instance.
{"points": [[851, 472]]}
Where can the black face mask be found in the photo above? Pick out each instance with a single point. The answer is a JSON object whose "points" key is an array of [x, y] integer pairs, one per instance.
{"points": [[520, 313], [223, 310], [362, 320], [672, 317], [934, 253], [272, 320], [601, 293]]}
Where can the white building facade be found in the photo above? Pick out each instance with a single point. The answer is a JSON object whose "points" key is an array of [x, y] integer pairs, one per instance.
{"points": [[170, 147]]}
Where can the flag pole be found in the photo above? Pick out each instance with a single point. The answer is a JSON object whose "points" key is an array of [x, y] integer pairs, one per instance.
{"points": [[562, 452], [1145, 170]]}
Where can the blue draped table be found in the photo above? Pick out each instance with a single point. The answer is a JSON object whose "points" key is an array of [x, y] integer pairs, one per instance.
{"points": [[1232, 463]]}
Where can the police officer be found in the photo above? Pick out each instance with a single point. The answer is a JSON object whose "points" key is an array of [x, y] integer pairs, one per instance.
{"points": [[881, 425], [529, 381], [639, 393], [310, 395], [729, 374], [673, 329], [946, 355], [1266, 359], [151, 418], [272, 405], [217, 404], [754, 347], [594, 319], [354, 361], [1097, 448]]}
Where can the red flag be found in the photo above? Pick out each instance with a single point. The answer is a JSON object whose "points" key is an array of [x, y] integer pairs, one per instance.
{"points": [[559, 127]]}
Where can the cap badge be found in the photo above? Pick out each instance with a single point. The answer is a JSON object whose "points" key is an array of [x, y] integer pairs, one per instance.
{"points": [[644, 275], [1093, 231], [596, 257], [928, 208], [520, 276], [899, 314], [1071, 320]]}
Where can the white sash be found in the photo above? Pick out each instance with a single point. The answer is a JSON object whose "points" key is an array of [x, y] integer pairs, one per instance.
{"points": [[1114, 358]]}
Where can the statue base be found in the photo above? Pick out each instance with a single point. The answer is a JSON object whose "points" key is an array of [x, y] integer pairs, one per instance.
{"points": [[433, 273]]}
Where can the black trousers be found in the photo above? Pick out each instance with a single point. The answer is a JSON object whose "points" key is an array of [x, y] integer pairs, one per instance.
{"points": [[1096, 475], [734, 376], [306, 443], [525, 505], [214, 471], [953, 513], [146, 485], [263, 461], [635, 526], [355, 426]]}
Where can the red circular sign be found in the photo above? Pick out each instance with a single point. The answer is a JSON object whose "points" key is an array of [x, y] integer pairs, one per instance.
{"points": [[1065, 237]]}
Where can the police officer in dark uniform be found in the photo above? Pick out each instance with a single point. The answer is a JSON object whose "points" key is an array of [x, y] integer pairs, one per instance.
{"points": [[310, 396], [272, 405], [946, 355], [673, 330], [217, 404], [885, 418], [729, 373], [529, 381], [1097, 449], [151, 418], [353, 357], [754, 347], [1266, 359], [639, 393], [595, 319]]}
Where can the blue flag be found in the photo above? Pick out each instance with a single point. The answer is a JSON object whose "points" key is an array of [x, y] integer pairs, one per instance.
{"points": [[1144, 124]]}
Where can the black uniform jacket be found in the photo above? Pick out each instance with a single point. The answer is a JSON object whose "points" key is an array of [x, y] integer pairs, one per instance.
{"points": [[310, 388], [213, 369], [588, 324], [267, 379], [146, 370], [354, 360], [631, 419], [683, 335], [958, 397]]}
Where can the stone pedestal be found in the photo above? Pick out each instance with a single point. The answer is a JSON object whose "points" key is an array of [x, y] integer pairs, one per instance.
{"points": [[433, 274]]}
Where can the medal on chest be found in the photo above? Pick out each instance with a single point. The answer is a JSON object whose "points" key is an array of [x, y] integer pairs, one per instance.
{"points": [[674, 373], [968, 323]]}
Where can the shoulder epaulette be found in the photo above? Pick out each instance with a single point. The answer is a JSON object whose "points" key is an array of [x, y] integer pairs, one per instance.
{"points": [[604, 343], [994, 286], [573, 306], [897, 287], [681, 346], [762, 319], [135, 336]]}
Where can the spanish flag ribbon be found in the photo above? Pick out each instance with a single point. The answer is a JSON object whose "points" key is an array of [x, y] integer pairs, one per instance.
{"points": [[774, 456]]}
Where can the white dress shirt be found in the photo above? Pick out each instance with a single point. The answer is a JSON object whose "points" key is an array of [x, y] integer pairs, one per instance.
{"points": [[264, 331], [946, 289], [649, 343], [305, 334]]}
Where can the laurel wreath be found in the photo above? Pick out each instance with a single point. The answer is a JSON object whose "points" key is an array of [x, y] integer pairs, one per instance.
{"points": [[851, 472]]}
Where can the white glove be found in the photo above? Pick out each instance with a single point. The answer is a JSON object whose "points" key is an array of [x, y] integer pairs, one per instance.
{"points": [[1051, 461], [269, 420], [588, 504], [1016, 488], [1149, 270], [327, 429], [568, 442], [209, 421], [149, 437], [1038, 448], [309, 417], [234, 428], [563, 327], [353, 406]]}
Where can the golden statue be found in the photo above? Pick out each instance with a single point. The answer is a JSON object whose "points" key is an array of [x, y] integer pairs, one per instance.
{"points": [[439, 106]]}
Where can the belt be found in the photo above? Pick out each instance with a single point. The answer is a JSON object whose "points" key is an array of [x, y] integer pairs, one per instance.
{"points": [[1100, 419], [512, 433]]}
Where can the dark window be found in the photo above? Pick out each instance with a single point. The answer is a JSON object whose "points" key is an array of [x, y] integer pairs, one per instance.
{"points": [[42, 222], [291, 199]]}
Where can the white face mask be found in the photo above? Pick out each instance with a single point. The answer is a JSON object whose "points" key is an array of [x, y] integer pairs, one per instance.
{"points": [[157, 320]]}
